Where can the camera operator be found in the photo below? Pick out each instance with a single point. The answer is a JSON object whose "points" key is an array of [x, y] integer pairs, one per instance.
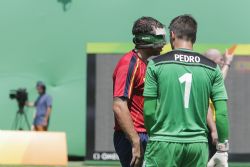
{"points": [[43, 105]]}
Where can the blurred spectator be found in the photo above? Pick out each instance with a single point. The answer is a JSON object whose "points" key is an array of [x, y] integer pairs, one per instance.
{"points": [[224, 62]]}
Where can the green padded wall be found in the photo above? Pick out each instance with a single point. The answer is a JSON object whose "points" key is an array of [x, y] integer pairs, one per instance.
{"points": [[43, 40]]}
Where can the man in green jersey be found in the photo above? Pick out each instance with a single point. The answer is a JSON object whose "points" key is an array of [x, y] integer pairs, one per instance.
{"points": [[177, 90]]}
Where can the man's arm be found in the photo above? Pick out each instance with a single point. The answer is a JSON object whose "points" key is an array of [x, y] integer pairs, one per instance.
{"points": [[30, 104], [150, 104], [49, 109], [124, 78], [228, 60], [219, 98], [150, 96], [124, 119], [48, 112], [220, 158], [212, 125], [222, 122], [125, 122]]}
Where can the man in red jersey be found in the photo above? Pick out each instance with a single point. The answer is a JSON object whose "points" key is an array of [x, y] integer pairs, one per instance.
{"points": [[130, 135]]}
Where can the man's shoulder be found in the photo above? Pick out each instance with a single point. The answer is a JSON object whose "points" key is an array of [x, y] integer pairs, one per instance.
{"points": [[127, 61], [183, 56], [126, 58], [47, 96]]}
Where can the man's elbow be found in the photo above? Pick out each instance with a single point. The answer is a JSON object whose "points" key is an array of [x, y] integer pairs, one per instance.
{"points": [[116, 108], [222, 115], [119, 106]]}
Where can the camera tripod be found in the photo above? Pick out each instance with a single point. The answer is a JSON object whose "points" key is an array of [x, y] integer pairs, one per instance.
{"points": [[18, 122]]}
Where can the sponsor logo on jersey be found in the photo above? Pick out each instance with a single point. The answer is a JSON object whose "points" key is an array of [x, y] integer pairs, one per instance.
{"points": [[187, 58]]}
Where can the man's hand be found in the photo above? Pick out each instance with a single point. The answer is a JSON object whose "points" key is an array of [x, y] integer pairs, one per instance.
{"points": [[220, 158], [30, 104], [214, 136], [228, 58], [45, 121], [136, 154]]}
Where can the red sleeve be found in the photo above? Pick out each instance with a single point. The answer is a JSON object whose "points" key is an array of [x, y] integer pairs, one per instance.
{"points": [[123, 77]]}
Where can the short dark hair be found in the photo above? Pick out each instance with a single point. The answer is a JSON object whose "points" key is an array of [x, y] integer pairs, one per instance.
{"points": [[42, 85], [145, 25], [184, 27]]}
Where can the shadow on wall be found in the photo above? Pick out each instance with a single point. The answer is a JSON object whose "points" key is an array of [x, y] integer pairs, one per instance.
{"points": [[66, 4]]}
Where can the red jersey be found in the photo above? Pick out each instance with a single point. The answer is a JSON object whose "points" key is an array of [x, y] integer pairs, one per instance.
{"points": [[128, 82]]}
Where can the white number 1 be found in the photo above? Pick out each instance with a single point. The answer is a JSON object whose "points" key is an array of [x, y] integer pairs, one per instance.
{"points": [[187, 78]]}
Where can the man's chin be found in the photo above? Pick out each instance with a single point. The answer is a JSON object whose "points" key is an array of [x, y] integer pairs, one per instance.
{"points": [[157, 51]]}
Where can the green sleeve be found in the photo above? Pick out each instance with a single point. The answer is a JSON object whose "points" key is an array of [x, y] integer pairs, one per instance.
{"points": [[218, 86], [150, 87], [150, 104], [222, 122]]}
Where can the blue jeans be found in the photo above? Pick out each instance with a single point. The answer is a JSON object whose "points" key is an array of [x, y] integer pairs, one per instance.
{"points": [[124, 149]]}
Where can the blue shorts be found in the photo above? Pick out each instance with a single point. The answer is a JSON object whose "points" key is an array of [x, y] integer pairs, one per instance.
{"points": [[39, 120], [123, 146]]}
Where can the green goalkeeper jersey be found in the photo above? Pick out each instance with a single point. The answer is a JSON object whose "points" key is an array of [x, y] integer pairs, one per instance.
{"points": [[182, 81]]}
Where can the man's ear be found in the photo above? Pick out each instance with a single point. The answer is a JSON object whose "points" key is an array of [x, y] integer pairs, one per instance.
{"points": [[172, 35]]}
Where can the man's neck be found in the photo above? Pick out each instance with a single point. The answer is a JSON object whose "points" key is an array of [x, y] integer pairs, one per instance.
{"points": [[143, 55], [183, 45], [41, 94]]}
